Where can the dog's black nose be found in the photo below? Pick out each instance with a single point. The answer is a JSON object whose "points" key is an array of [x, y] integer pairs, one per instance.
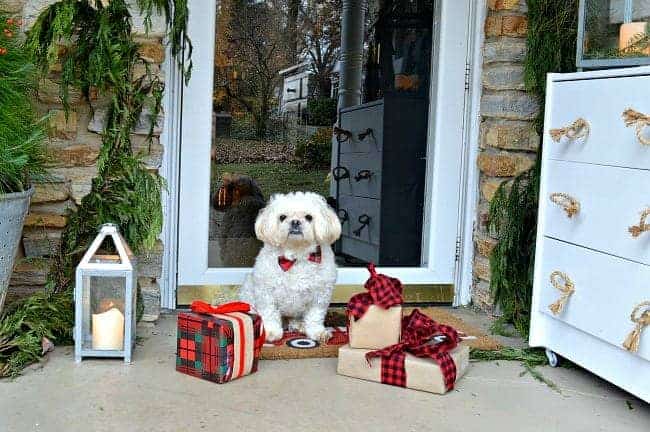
{"points": [[295, 223]]}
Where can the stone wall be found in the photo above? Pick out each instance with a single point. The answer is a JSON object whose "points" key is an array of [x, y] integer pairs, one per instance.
{"points": [[75, 143], [508, 140]]}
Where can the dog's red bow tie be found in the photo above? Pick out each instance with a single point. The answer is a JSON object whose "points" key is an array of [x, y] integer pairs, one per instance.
{"points": [[286, 263]]}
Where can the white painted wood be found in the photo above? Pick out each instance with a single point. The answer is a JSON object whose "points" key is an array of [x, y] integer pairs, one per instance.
{"points": [[596, 319], [611, 200], [445, 149], [606, 292], [601, 103]]}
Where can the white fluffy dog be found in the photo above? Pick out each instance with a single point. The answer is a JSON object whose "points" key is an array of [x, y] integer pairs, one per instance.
{"points": [[295, 272]]}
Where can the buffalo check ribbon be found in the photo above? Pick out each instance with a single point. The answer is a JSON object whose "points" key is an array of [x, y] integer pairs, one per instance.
{"points": [[236, 313], [418, 333], [382, 290]]}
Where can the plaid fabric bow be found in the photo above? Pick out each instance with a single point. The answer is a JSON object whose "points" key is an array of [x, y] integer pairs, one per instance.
{"points": [[383, 291], [286, 264], [418, 331]]}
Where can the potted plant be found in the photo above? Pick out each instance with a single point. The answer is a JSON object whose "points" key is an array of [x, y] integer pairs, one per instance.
{"points": [[22, 148]]}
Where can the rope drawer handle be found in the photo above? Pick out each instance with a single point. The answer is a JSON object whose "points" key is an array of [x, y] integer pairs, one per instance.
{"points": [[364, 220], [578, 129], [639, 121], [343, 215], [570, 205], [340, 172], [641, 317], [566, 288], [368, 132], [643, 226]]}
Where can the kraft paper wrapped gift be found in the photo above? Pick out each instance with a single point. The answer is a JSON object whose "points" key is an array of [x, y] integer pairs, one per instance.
{"points": [[421, 373], [377, 328], [375, 316]]}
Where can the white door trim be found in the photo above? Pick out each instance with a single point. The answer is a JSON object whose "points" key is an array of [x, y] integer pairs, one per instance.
{"points": [[453, 39]]}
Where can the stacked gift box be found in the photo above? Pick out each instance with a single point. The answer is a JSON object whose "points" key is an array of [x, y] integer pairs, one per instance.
{"points": [[410, 351]]}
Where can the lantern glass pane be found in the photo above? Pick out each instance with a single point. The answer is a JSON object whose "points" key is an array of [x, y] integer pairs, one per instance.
{"points": [[616, 29], [104, 312]]}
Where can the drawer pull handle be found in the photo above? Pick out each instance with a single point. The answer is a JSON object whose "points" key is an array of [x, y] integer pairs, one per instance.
{"points": [[641, 317], [363, 175], [578, 129], [342, 135], [368, 132], [640, 121], [343, 215], [643, 226], [364, 220], [566, 288], [570, 205], [339, 173]]}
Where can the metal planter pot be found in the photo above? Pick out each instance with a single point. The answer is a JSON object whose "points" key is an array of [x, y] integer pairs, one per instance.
{"points": [[13, 208]]}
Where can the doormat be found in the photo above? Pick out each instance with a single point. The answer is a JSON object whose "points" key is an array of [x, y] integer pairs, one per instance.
{"points": [[295, 345]]}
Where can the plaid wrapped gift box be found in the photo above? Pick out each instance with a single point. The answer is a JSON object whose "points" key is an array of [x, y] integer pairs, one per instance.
{"points": [[218, 347]]}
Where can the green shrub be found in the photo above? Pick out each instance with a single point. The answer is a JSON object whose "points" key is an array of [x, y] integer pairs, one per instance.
{"points": [[322, 111], [22, 150], [315, 151]]}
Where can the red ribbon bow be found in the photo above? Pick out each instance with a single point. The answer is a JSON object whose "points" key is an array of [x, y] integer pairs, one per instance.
{"points": [[286, 263], [205, 308], [418, 333], [383, 291]]}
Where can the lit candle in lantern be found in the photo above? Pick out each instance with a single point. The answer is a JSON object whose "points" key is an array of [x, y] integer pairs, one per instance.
{"points": [[108, 330]]}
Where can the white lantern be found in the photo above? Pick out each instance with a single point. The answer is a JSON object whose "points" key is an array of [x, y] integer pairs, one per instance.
{"points": [[105, 299]]}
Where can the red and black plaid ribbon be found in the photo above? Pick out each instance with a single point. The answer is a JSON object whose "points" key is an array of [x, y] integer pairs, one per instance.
{"points": [[383, 291], [418, 333]]}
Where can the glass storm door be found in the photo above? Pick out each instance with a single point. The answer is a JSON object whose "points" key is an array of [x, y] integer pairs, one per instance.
{"points": [[260, 117]]}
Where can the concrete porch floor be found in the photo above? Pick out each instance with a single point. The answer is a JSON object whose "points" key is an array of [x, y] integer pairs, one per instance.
{"points": [[300, 395]]}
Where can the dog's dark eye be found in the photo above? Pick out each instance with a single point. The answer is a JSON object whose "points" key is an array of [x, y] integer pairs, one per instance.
{"points": [[309, 218], [282, 218]]}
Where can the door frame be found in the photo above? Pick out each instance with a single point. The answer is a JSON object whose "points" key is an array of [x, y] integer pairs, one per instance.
{"points": [[450, 106]]}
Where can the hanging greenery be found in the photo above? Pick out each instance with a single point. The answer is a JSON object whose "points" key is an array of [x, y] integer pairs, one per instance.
{"points": [[93, 42], [551, 47]]}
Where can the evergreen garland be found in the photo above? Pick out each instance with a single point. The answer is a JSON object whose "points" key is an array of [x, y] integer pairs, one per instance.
{"points": [[93, 42], [551, 47]]}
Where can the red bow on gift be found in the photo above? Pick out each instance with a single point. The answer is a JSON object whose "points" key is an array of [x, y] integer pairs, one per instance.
{"points": [[286, 263], [205, 308], [383, 291], [421, 337]]}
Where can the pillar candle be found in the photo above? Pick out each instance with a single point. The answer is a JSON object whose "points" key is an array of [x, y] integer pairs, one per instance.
{"points": [[108, 330]]}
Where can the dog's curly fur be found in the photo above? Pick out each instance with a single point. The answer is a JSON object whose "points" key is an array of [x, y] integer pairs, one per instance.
{"points": [[294, 226]]}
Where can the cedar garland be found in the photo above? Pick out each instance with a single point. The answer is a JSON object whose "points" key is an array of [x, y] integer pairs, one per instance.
{"points": [[551, 47], [93, 42]]}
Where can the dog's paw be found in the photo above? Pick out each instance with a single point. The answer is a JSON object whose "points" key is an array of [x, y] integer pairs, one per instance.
{"points": [[320, 334], [273, 334]]}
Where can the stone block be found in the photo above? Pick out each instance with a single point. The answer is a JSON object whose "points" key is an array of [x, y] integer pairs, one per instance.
{"points": [[152, 51], [142, 127], [77, 155], [482, 268], [514, 105], [503, 77], [150, 292], [18, 292], [41, 242], [509, 135], [53, 208], [149, 263], [80, 180], [30, 272], [48, 93], [482, 297], [506, 25], [505, 5], [504, 164], [62, 127], [45, 220], [484, 244], [150, 152], [13, 6], [489, 187], [52, 191], [504, 50]]}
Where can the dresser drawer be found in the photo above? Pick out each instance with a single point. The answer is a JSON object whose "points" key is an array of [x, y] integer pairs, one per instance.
{"points": [[359, 249], [601, 102], [606, 291], [610, 201], [363, 174], [353, 211], [358, 121]]}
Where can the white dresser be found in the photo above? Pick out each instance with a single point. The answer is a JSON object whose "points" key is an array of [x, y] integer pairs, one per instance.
{"points": [[592, 267]]}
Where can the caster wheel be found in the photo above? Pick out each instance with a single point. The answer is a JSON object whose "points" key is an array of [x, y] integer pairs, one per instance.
{"points": [[553, 359]]}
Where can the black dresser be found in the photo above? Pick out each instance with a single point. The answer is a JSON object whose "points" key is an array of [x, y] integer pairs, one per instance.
{"points": [[379, 179]]}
